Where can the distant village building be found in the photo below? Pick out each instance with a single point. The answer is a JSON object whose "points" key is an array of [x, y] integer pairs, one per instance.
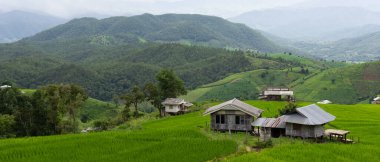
{"points": [[324, 102], [307, 122], [376, 100], [277, 94], [233, 115], [5, 87], [176, 106]]}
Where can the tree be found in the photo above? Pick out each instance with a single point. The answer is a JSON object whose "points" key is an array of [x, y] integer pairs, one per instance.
{"points": [[153, 95], [288, 109], [134, 97], [72, 96], [6, 123], [169, 84]]}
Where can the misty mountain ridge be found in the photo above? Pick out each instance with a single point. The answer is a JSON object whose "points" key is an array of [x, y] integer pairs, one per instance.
{"points": [[310, 24], [15, 25]]}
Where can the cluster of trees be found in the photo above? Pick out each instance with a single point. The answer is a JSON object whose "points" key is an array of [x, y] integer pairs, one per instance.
{"points": [[168, 86], [51, 109]]}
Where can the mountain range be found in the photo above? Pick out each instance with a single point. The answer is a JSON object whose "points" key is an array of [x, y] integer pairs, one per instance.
{"points": [[312, 23]]}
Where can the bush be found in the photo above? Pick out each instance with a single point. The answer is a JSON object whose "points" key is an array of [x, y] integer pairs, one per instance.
{"points": [[6, 124], [102, 124], [264, 144]]}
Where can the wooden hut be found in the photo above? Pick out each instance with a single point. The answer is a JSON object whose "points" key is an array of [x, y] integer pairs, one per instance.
{"points": [[176, 106], [277, 94], [233, 115], [307, 122]]}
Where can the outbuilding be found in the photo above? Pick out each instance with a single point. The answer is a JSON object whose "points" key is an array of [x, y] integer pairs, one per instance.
{"points": [[176, 106], [306, 122], [277, 94], [233, 115]]}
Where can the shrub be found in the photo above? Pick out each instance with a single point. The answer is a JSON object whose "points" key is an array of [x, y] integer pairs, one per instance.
{"points": [[264, 144]]}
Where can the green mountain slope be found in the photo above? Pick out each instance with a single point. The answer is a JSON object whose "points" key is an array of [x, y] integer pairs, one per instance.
{"points": [[193, 29], [348, 85], [109, 71], [344, 85]]}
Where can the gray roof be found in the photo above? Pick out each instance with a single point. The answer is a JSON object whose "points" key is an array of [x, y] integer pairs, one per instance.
{"points": [[235, 104], [270, 122], [173, 101], [310, 115], [282, 93]]}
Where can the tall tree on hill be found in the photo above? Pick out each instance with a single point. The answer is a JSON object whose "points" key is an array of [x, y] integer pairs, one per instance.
{"points": [[169, 84], [153, 95], [134, 97], [73, 97]]}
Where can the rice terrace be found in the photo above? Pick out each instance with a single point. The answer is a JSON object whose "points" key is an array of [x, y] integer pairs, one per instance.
{"points": [[184, 138], [190, 80]]}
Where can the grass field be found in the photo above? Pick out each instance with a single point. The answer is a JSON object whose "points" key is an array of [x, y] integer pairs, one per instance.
{"points": [[246, 85], [185, 138]]}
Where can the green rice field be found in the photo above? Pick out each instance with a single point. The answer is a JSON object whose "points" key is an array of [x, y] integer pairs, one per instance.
{"points": [[186, 138]]}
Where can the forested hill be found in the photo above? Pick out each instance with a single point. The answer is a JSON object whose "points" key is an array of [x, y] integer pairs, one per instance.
{"points": [[109, 71], [183, 28]]}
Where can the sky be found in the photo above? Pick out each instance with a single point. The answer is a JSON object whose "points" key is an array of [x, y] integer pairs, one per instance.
{"points": [[222, 8]]}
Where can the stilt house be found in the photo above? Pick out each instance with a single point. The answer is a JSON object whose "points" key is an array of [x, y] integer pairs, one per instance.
{"points": [[233, 115]]}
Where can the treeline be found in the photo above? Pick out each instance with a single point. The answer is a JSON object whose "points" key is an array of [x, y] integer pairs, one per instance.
{"points": [[52, 109]]}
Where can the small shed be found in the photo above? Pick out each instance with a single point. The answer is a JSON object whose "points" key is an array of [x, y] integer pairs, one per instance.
{"points": [[376, 100], [233, 115], [324, 102], [306, 122], [270, 127], [176, 106], [5, 87], [277, 94]]}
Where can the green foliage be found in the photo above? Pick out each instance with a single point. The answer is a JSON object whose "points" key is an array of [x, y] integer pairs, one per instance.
{"points": [[133, 97], [290, 108], [44, 112], [169, 84], [6, 125], [264, 144]]}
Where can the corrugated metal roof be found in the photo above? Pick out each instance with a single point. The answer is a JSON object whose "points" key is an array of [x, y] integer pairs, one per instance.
{"points": [[376, 99], [235, 104], [310, 115], [270, 122], [173, 101]]}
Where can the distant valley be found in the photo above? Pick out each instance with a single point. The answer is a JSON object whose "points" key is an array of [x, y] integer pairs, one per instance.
{"points": [[15, 25]]}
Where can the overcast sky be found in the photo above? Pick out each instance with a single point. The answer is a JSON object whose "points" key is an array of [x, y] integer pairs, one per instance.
{"points": [[223, 8]]}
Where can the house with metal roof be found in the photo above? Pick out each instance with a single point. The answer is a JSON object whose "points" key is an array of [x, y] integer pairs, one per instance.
{"points": [[277, 94], [306, 122], [176, 106], [233, 115]]}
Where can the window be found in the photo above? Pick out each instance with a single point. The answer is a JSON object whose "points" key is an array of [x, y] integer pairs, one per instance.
{"points": [[170, 106], [237, 119], [220, 119], [240, 120]]}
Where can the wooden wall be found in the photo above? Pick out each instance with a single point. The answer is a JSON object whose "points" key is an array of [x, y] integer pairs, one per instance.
{"points": [[230, 123], [305, 131]]}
